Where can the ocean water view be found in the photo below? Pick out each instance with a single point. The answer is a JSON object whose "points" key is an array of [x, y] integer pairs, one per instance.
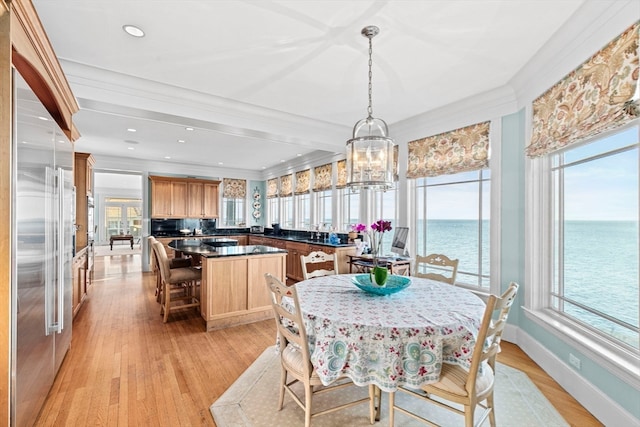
{"points": [[601, 267]]}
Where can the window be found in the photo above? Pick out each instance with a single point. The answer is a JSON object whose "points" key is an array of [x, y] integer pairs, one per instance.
{"points": [[121, 216], [384, 206], [323, 207], [286, 212], [350, 207], [594, 270], [303, 211], [234, 204], [233, 212], [452, 218], [272, 210]]}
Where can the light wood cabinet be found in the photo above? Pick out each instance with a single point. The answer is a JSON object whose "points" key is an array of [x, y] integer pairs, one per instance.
{"points": [[294, 267], [257, 240], [83, 181], [233, 289], [183, 197], [210, 197], [80, 282], [179, 199]]}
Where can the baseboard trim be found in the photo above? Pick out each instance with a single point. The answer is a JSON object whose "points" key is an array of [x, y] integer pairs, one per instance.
{"points": [[607, 411]]}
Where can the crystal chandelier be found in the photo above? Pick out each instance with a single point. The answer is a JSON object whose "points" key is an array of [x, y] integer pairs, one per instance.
{"points": [[370, 150]]}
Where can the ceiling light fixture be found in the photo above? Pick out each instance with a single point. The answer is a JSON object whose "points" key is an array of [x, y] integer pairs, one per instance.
{"points": [[131, 130], [132, 30], [370, 156]]}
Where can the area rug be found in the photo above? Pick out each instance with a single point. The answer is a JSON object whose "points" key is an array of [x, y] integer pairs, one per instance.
{"points": [[252, 401]]}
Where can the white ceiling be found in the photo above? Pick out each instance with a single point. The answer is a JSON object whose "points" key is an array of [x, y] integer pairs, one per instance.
{"points": [[265, 81]]}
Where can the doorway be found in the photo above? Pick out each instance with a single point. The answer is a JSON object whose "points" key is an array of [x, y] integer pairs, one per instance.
{"points": [[118, 206], [123, 216]]}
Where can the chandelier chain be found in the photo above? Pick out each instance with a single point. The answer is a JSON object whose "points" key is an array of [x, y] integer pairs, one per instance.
{"points": [[370, 108]]}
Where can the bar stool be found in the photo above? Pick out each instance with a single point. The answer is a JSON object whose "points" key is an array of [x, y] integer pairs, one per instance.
{"points": [[183, 279], [155, 266]]}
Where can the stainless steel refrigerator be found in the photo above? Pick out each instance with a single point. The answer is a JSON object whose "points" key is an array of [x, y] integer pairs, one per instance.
{"points": [[42, 241]]}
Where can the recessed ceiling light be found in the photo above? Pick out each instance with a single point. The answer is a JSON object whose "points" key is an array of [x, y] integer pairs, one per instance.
{"points": [[188, 128], [220, 163], [131, 130], [181, 141], [61, 141], [298, 154], [282, 161], [132, 30], [264, 167], [167, 157], [43, 118], [130, 148]]}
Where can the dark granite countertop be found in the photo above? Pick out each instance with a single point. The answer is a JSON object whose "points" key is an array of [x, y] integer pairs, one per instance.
{"points": [[200, 247], [271, 236], [309, 241]]}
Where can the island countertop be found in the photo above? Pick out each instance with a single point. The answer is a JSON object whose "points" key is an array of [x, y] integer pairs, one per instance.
{"points": [[206, 248]]}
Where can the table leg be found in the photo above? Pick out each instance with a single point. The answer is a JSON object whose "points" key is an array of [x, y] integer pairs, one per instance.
{"points": [[131, 241], [111, 244], [377, 400]]}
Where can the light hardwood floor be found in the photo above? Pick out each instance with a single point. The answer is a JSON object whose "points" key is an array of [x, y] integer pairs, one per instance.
{"points": [[127, 368]]}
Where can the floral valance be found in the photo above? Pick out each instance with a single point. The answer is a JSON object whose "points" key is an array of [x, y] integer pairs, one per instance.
{"points": [[272, 188], [234, 188], [286, 186], [395, 164], [450, 152], [596, 97], [322, 177], [303, 181], [342, 174]]}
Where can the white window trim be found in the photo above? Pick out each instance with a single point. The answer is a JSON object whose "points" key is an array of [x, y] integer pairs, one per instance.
{"points": [[618, 360], [495, 230]]}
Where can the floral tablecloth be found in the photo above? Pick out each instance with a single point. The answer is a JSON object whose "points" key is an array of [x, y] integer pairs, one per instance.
{"points": [[393, 340]]}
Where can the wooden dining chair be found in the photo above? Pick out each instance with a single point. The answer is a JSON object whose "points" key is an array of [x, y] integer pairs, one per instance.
{"points": [[295, 357], [318, 257], [155, 266], [473, 387], [184, 279], [435, 266]]}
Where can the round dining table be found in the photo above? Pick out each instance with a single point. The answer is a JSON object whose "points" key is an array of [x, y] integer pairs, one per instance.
{"points": [[388, 340]]}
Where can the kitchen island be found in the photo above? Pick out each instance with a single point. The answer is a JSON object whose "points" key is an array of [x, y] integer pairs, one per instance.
{"points": [[233, 290]]}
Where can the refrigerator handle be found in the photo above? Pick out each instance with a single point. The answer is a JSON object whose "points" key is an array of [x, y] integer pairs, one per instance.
{"points": [[49, 243], [60, 252]]}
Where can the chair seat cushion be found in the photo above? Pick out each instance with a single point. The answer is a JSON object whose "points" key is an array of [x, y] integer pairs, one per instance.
{"points": [[295, 363], [189, 274], [453, 379]]}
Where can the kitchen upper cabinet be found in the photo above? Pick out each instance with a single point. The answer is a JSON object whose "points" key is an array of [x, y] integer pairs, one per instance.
{"points": [[83, 181], [195, 200], [183, 198], [210, 197]]}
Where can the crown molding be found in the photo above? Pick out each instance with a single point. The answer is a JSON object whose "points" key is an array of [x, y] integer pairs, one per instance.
{"points": [[591, 28], [119, 90], [482, 107], [106, 163]]}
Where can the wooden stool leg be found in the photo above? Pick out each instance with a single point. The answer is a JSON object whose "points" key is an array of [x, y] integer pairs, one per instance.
{"points": [[166, 296]]}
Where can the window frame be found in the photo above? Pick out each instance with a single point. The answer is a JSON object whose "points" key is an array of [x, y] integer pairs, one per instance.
{"points": [[241, 210], [492, 234], [539, 269], [302, 208]]}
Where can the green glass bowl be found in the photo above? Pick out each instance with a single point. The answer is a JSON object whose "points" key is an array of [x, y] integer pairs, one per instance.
{"points": [[394, 284]]}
